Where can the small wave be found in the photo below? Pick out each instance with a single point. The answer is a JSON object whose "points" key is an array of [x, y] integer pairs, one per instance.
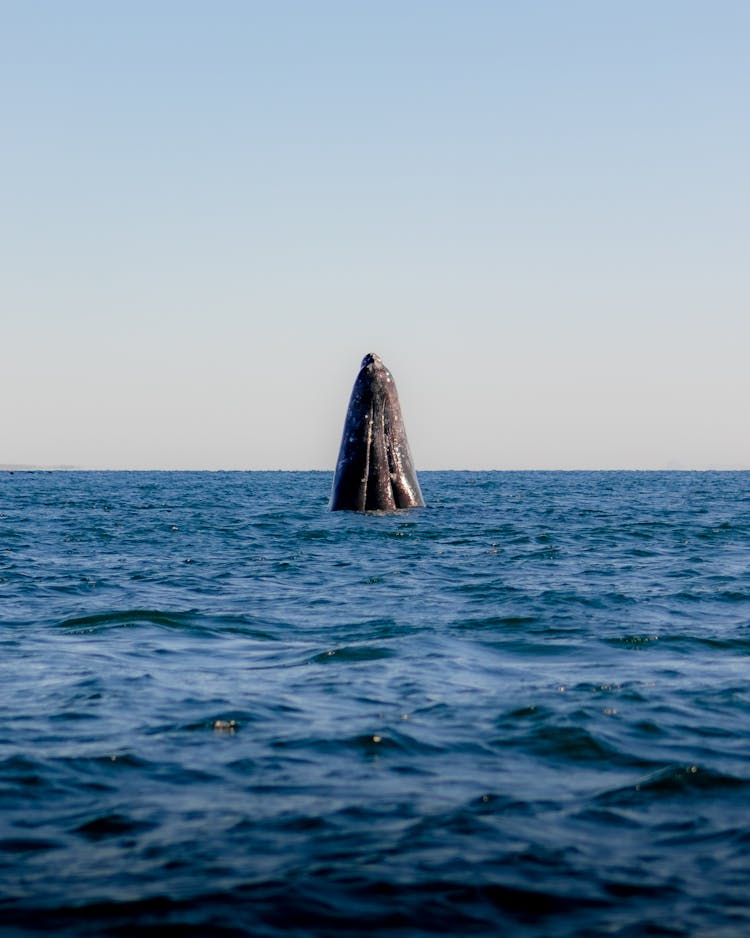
{"points": [[502, 623], [161, 619], [571, 743], [529, 712], [353, 653], [111, 825], [314, 904], [684, 641], [131, 618], [26, 775], [713, 595], [376, 743], [632, 641], [671, 781], [27, 845]]}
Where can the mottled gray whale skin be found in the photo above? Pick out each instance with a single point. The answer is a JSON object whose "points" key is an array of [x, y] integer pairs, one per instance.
{"points": [[374, 471]]}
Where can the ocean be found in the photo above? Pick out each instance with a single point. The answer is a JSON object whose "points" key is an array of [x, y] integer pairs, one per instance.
{"points": [[522, 710]]}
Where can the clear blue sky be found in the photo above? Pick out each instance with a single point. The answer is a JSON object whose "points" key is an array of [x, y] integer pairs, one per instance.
{"points": [[538, 214]]}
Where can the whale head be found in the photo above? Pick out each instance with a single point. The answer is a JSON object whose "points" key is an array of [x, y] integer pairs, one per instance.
{"points": [[374, 471]]}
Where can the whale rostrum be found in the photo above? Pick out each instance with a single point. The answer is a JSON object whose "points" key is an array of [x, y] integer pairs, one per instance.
{"points": [[374, 471]]}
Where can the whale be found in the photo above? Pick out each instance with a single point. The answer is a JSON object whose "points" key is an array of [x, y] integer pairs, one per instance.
{"points": [[374, 470]]}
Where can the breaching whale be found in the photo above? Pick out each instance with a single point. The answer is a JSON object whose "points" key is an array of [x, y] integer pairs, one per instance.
{"points": [[374, 471]]}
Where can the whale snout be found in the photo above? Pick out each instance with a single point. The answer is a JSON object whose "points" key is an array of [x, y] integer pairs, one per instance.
{"points": [[371, 359]]}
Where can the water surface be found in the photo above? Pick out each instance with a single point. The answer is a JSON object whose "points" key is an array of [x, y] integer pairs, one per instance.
{"points": [[523, 710]]}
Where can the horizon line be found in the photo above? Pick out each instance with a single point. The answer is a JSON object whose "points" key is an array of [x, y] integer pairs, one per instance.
{"points": [[34, 467]]}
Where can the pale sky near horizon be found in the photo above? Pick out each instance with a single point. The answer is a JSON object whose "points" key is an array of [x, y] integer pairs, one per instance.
{"points": [[538, 214]]}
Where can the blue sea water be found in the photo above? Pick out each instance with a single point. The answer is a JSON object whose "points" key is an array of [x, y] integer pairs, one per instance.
{"points": [[524, 709]]}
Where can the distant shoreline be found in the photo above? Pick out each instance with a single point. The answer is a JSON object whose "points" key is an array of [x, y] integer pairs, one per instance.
{"points": [[22, 467]]}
